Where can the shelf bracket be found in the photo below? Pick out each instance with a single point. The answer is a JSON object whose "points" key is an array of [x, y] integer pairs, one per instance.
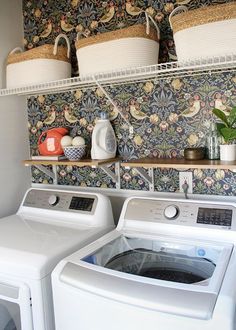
{"points": [[147, 177], [131, 129], [52, 174], [112, 175]]}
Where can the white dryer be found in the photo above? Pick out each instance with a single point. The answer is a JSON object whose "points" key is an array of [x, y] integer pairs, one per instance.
{"points": [[49, 225], [170, 264]]}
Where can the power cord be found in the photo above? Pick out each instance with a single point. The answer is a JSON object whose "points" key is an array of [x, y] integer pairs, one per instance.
{"points": [[185, 187]]}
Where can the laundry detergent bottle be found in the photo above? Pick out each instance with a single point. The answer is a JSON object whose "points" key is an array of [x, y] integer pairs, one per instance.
{"points": [[103, 139]]}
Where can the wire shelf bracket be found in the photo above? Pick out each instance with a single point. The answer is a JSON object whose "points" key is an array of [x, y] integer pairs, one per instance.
{"points": [[131, 130]]}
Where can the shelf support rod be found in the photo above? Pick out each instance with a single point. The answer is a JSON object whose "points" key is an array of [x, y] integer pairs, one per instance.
{"points": [[117, 171], [54, 169], [151, 174], [113, 103]]}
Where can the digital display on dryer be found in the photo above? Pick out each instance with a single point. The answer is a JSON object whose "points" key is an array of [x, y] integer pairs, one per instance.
{"points": [[81, 204], [217, 217]]}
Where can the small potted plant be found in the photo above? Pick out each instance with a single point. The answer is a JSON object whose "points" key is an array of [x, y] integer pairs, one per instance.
{"points": [[227, 129]]}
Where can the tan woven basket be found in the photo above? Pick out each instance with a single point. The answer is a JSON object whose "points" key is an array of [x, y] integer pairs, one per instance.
{"points": [[44, 51], [206, 33], [135, 31], [202, 16], [130, 47], [38, 65]]}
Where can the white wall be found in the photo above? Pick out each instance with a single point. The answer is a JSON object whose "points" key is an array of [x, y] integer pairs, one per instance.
{"points": [[14, 177]]}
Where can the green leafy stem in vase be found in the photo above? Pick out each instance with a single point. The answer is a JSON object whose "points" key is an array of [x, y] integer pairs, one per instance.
{"points": [[227, 129]]}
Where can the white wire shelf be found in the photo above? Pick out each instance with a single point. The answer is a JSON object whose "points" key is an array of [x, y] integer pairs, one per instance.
{"points": [[126, 76]]}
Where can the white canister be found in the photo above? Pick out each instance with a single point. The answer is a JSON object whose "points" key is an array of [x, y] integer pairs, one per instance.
{"points": [[228, 152], [103, 139]]}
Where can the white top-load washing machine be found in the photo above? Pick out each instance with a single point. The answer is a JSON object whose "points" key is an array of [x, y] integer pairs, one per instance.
{"points": [[169, 265], [49, 225]]}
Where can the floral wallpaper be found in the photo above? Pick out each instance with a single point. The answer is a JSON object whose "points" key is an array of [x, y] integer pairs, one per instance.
{"points": [[167, 115]]}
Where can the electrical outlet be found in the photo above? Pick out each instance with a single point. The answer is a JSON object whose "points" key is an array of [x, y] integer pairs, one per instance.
{"points": [[186, 177]]}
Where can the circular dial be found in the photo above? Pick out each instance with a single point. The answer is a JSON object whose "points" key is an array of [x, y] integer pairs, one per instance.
{"points": [[171, 212], [53, 200]]}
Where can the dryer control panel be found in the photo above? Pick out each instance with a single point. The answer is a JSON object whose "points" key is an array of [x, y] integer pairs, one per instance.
{"points": [[180, 212], [61, 201]]}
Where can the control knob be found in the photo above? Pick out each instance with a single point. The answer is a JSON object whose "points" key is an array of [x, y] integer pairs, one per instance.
{"points": [[53, 200], [171, 212]]}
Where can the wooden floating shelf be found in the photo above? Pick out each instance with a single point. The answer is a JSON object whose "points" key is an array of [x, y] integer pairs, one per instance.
{"points": [[79, 163], [142, 162], [179, 163]]}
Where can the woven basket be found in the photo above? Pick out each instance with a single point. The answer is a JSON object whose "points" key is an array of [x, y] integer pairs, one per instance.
{"points": [[130, 47], [204, 32], [41, 64]]}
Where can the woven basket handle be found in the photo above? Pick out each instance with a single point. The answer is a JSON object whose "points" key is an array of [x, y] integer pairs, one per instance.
{"points": [[16, 50], [149, 17], [57, 41], [175, 11]]}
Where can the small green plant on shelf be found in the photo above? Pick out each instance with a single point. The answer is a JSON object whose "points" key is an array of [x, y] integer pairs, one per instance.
{"points": [[227, 128]]}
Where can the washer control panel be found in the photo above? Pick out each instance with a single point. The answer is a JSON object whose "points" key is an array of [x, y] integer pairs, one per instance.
{"points": [[188, 213], [61, 201]]}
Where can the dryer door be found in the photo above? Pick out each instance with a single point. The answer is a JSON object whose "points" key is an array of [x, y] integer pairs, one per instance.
{"points": [[15, 306]]}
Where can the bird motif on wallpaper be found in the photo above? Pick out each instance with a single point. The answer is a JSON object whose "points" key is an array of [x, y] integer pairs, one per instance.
{"points": [[182, 2], [50, 118], [113, 114], [74, 3], [193, 110], [219, 105], [108, 15], [69, 115], [172, 57], [133, 10], [47, 30], [137, 113], [65, 26]]}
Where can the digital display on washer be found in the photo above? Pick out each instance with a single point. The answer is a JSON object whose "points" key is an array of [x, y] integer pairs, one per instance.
{"points": [[81, 204], [217, 217]]}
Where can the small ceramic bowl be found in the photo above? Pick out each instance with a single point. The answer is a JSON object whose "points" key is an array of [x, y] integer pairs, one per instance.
{"points": [[74, 153], [194, 153]]}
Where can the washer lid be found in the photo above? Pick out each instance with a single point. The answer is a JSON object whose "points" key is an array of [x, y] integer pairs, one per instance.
{"points": [[149, 296], [32, 249], [123, 266]]}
